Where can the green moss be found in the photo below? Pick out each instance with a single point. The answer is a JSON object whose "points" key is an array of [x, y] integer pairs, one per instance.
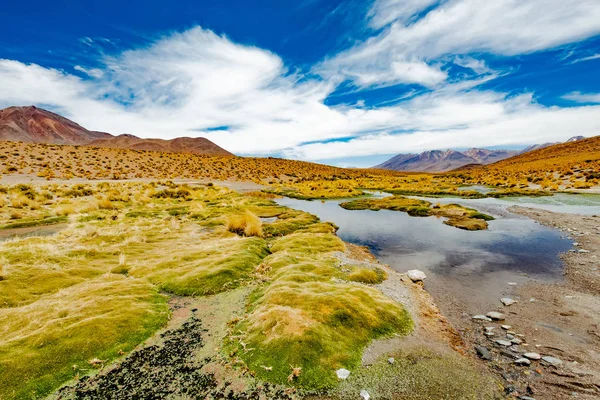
{"points": [[96, 319], [421, 374], [366, 275], [308, 317], [216, 265], [27, 223]]}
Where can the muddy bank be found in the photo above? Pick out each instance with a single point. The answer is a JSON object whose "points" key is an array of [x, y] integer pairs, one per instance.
{"points": [[558, 322]]}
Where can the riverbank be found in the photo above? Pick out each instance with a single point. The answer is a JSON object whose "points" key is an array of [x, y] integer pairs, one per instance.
{"points": [[557, 321]]}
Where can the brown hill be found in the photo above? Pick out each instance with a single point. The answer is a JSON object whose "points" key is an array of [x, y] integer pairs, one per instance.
{"points": [[36, 125], [584, 151], [179, 145]]}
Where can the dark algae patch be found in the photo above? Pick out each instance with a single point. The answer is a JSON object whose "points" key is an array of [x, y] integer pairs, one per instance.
{"points": [[169, 369]]}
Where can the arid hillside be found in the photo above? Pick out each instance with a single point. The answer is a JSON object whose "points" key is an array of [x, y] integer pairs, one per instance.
{"points": [[178, 145], [572, 164], [36, 125]]}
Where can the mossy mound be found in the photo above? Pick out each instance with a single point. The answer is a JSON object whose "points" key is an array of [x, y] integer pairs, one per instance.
{"points": [[457, 215], [308, 316], [52, 340]]}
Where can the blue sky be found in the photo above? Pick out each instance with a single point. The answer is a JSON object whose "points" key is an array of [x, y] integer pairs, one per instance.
{"points": [[340, 82]]}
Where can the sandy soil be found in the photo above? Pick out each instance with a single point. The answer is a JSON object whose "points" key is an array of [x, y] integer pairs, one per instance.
{"points": [[561, 320]]}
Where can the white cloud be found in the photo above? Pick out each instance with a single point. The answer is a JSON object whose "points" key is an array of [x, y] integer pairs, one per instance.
{"points": [[384, 12], [504, 27], [531, 125], [583, 97], [93, 72], [186, 83]]}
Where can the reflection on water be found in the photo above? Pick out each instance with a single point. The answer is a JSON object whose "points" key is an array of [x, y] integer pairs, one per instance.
{"points": [[477, 266], [585, 204]]}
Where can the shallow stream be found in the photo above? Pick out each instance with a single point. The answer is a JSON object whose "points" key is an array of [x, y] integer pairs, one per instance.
{"points": [[467, 271]]}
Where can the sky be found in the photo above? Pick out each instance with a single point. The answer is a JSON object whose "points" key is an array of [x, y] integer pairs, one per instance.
{"points": [[348, 83]]}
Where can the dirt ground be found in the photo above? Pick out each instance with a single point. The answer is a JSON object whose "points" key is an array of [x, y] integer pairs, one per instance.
{"points": [[560, 320]]}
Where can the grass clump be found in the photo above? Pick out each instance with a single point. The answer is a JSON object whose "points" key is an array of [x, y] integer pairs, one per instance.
{"points": [[215, 265], [47, 342], [245, 224], [27, 223], [367, 275], [307, 317]]}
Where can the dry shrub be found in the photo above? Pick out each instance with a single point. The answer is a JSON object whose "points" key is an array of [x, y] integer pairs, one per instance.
{"points": [[2, 202], [104, 203], [64, 209], [246, 224], [19, 201]]}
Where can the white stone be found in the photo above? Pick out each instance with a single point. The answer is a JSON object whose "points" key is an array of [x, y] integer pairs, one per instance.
{"points": [[495, 315], [516, 340], [522, 361], [342, 373], [506, 327], [507, 301], [503, 343], [415, 275], [552, 360], [482, 318], [532, 356], [365, 395], [391, 360]]}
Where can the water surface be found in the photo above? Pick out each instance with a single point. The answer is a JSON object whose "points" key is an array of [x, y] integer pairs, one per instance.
{"points": [[472, 269]]}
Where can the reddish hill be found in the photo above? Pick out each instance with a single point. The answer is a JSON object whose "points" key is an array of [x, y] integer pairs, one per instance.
{"points": [[36, 125], [179, 145]]}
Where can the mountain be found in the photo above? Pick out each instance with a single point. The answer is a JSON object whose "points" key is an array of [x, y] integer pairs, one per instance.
{"points": [[179, 145], [440, 161], [450, 160], [35, 125]]}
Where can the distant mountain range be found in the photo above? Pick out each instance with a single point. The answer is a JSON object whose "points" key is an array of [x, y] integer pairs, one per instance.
{"points": [[35, 125], [448, 160]]}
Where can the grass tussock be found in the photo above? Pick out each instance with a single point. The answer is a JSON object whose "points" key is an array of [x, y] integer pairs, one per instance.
{"points": [[307, 317], [245, 224], [47, 342], [367, 275]]}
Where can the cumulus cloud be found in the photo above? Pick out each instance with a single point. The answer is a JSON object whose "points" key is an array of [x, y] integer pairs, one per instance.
{"points": [[191, 83]]}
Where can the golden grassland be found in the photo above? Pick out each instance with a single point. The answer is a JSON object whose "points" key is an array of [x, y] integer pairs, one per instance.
{"points": [[93, 291], [566, 166]]}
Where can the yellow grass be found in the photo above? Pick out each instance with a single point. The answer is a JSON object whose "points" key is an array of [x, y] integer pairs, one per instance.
{"points": [[246, 224]]}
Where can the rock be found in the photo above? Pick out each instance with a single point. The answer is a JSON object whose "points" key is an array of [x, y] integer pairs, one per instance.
{"points": [[365, 395], [482, 318], [583, 251], [489, 333], [483, 353], [391, 360], [512, 283], [526, 398], [516, 341], [415, 275], [532, 356], [507, 301], [509, 335], [342, 373], [552, 360], [522, 361], [506, 327], [495, 315], [505, 343]]}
